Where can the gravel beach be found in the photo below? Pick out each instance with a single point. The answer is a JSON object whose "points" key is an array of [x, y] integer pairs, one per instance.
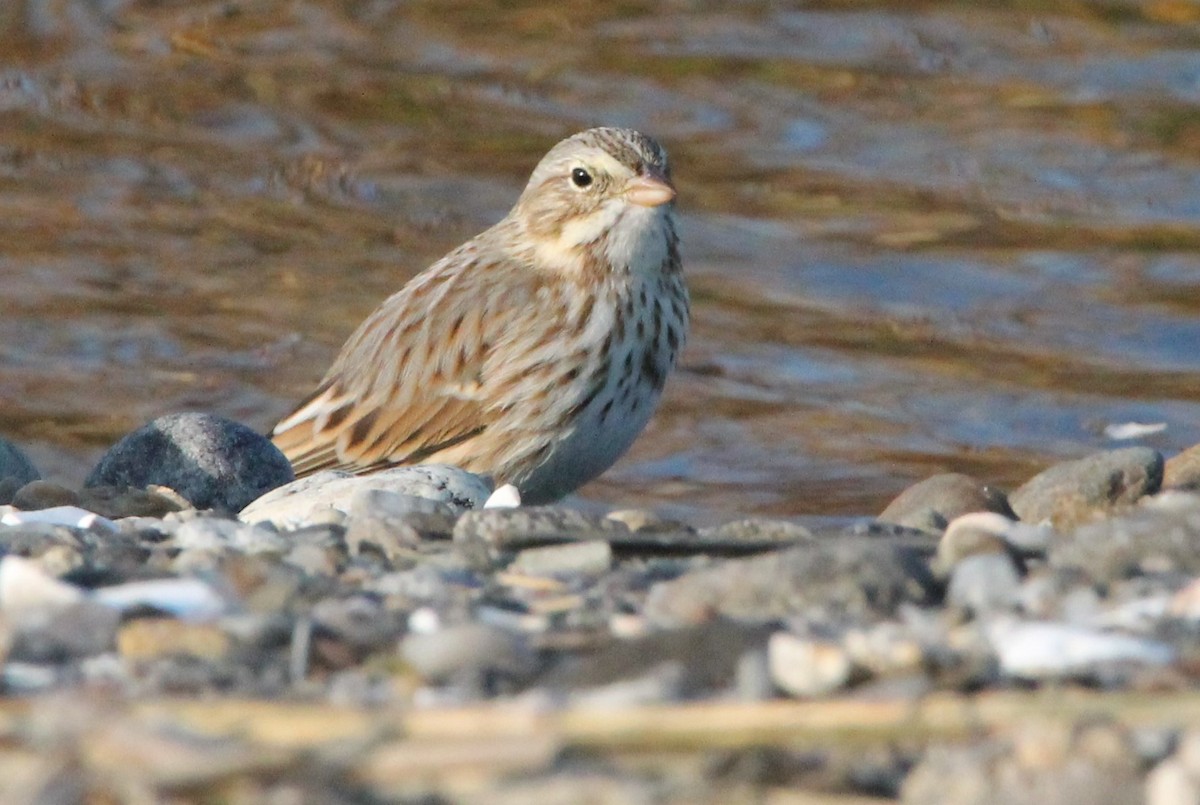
{"points": [[394, 638]]}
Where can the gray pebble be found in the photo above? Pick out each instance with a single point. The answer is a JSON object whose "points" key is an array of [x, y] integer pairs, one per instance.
{"points": [[984, 583], [219, 534], [213, 462], [471, 648], [380, 519], [931, 504], [308, 498], [1075, 492], [857, 577], [1162, 536], [587, 558], [83, 629]]}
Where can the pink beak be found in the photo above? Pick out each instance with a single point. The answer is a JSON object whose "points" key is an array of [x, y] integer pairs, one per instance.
{"points": [[651, 189]]}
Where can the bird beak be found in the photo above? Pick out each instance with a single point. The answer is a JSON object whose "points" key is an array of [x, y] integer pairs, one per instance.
{"points": [[651, 189]]}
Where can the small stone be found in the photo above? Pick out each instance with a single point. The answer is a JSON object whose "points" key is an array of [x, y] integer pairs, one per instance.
{"points": [[25, 587], [213, 462], [472, 648], [588, 558], [506, 497], [758, 530], [82, 629], [150, 638], [217, 534], [931, 504], [1160, 536], [972, 535], [851, 576], [299, 502], [1169, 783], [15, 465], [1076, 492], [807, 668], [639, 520], [116, 503], [1182, 471], [984, 583], [884, 649], [313, 560], [379, 518], [37, 495], [514, 529], [185, 598]]}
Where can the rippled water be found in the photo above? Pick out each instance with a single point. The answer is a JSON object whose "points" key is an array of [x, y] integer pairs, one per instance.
{"points": [[920, 237]]}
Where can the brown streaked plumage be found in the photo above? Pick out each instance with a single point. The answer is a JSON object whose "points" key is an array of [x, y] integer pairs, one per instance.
{"points": [[535, 352]]}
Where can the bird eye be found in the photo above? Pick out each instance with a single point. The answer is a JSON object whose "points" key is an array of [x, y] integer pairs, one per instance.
{"points": [[581, 178]]}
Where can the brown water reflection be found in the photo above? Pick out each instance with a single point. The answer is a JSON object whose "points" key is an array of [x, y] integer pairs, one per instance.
{"points": [[920, 236]]}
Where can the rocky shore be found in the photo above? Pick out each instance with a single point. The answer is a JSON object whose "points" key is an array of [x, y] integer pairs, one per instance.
{"points": [[194, 625]]}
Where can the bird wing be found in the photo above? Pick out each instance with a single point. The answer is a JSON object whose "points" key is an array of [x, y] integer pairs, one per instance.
{"points": [[409, 382]]}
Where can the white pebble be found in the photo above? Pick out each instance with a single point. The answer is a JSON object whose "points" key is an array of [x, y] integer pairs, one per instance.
{"points": [[26, 587], [189, 599], [1051, 649], [72, 516], [506, 497]]}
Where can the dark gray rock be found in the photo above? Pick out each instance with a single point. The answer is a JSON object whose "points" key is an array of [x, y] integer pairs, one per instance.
{"points": [[856, 577], [1076, 492], [931, 504], [15, 464], [212, 462], [1162, 536]]}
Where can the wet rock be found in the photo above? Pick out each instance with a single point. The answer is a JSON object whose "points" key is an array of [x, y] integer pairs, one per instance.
{"points": [[299, 502], [931, 504], [589, 558], [805, 667], [15, 465], [1052, 650], [1182, 471], [1076, 492], [854, 577], [1161, 536], [214, 463]]}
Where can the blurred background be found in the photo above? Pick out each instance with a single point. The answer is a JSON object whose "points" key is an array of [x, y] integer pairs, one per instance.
{"points": [[920, 237]]}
